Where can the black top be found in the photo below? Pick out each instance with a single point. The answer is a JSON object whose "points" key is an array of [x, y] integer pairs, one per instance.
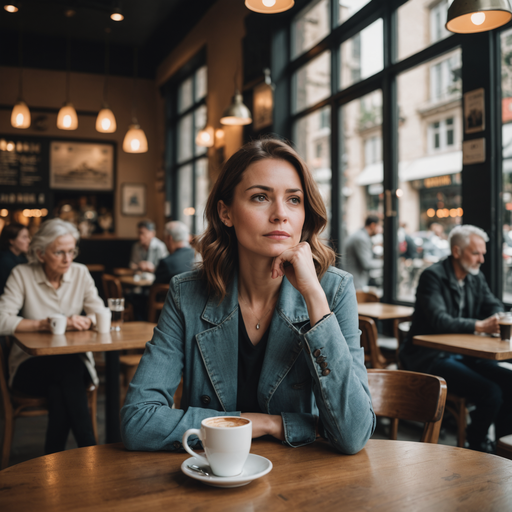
{"points": [[8, 260], [181, 260], [250, 363]]}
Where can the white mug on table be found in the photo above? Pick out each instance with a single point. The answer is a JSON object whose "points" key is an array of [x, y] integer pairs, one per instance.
{"points": [[58, 324]]}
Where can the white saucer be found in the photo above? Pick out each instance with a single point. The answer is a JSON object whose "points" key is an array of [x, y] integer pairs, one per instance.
{"points": [[254, 467]]}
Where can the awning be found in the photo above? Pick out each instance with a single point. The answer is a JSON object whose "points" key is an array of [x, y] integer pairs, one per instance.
{"points": [[425, 167]]}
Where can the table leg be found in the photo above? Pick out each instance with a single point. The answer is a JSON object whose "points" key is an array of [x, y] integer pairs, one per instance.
{"points": [[112, 370]]}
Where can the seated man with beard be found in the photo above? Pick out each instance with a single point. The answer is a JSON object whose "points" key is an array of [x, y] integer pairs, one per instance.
{"points": [[453, 297]]}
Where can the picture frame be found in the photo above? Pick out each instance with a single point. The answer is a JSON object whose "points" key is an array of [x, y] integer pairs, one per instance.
{"points": [[76, 165], [133, 199], [263, 103], [474, 111]]}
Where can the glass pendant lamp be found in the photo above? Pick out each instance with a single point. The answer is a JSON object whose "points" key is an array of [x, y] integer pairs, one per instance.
{"points": [[67, 118]]}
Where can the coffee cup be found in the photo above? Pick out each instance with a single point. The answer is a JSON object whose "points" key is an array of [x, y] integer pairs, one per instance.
{"points": [[505, 322], [58, 324], [226, 442], [103, 316]]}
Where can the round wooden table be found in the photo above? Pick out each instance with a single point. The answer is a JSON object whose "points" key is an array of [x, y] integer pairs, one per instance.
{"points": [[385, 476]]}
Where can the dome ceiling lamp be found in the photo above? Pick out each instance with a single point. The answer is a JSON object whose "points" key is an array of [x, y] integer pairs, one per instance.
{"points": [[237, 114], [20, 116], [269, 6], [11, 7], [117, 12], [135, 140], [106, 121], [472, 16], [205, 137], [67, 118]]}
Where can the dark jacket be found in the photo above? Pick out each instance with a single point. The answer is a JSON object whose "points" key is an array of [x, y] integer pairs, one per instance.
{"points": [[437, 310], [8, 260], [181, 260]]}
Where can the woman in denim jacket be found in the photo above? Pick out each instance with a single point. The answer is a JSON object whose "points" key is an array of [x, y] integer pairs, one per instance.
{"points": [[266, 328]]}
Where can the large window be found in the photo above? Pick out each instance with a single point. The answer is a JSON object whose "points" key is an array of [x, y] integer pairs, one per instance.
{"points": [[187, 163], [398, 147]]}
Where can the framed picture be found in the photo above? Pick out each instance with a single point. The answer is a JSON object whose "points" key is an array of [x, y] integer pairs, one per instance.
{"points": [[474, 110], [81, 165], [262, 106], [133, 199]]}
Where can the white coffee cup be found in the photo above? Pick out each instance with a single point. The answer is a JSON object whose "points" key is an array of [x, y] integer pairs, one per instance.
{"points": [[103, 317], [226, 442], [58, 324]]}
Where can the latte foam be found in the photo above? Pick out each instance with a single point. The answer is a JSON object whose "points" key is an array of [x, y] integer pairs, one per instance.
{"points": [[222, 422]]}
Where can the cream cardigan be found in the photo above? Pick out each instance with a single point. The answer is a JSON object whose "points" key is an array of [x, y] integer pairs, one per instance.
{"points": [[29, 294]]}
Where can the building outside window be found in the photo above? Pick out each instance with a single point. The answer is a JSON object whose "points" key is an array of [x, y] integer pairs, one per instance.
{"points": [[186, 162], [441, 135], [438, 14]]}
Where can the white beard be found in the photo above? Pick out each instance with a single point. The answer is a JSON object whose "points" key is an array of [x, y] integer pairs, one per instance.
{"points": [[474, 271]]}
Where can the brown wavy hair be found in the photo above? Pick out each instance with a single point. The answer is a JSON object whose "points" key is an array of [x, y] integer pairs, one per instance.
{"points": [[218, 245]]}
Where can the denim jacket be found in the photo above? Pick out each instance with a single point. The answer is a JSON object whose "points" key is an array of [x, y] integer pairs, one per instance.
{"points": [[198, 338]]}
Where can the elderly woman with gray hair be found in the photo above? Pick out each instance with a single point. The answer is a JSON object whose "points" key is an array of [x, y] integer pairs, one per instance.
{"points": [[51, 283]]}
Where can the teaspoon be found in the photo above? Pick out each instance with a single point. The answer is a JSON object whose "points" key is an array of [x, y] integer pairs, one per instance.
{"points": [[197, 469]]}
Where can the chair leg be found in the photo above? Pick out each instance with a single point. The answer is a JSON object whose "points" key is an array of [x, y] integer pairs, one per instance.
{"points": [[93, 410], [6, 448], [393, 432], [461, 435]]}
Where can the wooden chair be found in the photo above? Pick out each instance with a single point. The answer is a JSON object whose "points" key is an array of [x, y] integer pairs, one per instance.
{"points": [[366, 296], [157, 296], [18, 405], [113, 289], [373, 356], [456, 405], [412, 396], [504, 447]]}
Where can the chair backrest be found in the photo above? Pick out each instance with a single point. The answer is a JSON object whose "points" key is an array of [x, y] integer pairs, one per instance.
{"points": [[413, 396], [366, 296], [373, 357], [5, 347], [112, 287], [156, 301]]}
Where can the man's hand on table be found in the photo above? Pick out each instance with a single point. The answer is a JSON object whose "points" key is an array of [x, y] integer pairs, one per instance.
{"points": [[489, 325], [78, 323]]}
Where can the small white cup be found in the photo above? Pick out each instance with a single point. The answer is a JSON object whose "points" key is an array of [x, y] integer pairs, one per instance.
{"points": [[103, 317], [226, 442], [58, 324]]}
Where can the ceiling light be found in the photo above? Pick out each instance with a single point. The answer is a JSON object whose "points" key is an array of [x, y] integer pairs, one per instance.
{"points": [[11, 7], [269, 6], [67, 118], [237, 114], [205, 137], [135, 140], [106, 121], [20, 117], [471, 16], [117, 15]]}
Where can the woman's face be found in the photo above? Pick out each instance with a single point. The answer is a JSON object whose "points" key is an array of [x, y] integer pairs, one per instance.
{"points": [[267, 212], [21, 242], [59, 255]]}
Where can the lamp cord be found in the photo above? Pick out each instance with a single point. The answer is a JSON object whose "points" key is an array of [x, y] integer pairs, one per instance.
{"points": [[68, 69], [20, 62], [134, 95], [107, 65]]}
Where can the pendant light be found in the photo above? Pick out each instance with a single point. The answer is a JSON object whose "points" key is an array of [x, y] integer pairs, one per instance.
{"points": [[67, 118], [471, 16], [11, 7], [20, 116], [205, 137], [117, 12], [237, 114], [106, 121], [135, 140], [269, 6]]}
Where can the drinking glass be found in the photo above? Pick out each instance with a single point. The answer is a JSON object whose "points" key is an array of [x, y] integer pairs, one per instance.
{"points": [[117, 308]]}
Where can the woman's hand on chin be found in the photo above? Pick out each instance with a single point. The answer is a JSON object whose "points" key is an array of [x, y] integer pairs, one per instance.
{"points": [[78, 323], [265, 424]]}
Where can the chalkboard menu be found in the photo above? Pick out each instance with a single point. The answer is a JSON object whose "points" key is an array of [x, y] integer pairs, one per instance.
{"points": [[24, 171]]}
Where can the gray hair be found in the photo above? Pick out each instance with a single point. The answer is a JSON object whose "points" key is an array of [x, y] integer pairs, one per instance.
{"points": [[178, 230], [146, 223], [460, 235], [47, 234]]}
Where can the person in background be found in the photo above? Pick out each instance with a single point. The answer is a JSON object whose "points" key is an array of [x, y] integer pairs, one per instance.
{"points": [[181, 255], [14, 242], [453, 297], [51, 283], [149, 250], [359, 258]]}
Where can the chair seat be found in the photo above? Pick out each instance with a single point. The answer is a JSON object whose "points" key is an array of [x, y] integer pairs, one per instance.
{"points": [[130, 359], [504, 447]]}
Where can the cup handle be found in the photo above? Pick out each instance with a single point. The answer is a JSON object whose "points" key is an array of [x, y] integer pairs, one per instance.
{"points": [[191, 432], [52, 323]]}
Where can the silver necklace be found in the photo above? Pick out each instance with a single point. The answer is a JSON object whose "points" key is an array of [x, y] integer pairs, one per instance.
{"points": [[259, 320]]}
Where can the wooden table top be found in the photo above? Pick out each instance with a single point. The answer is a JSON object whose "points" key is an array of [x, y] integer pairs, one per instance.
{"points": [[382, 311], [130, 281], [132, 335], [385, 476], [474, 345]]}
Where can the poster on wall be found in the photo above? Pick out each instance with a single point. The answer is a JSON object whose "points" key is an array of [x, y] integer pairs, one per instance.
{"points": [[133, 199], [81, 165], [474, 110]]}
